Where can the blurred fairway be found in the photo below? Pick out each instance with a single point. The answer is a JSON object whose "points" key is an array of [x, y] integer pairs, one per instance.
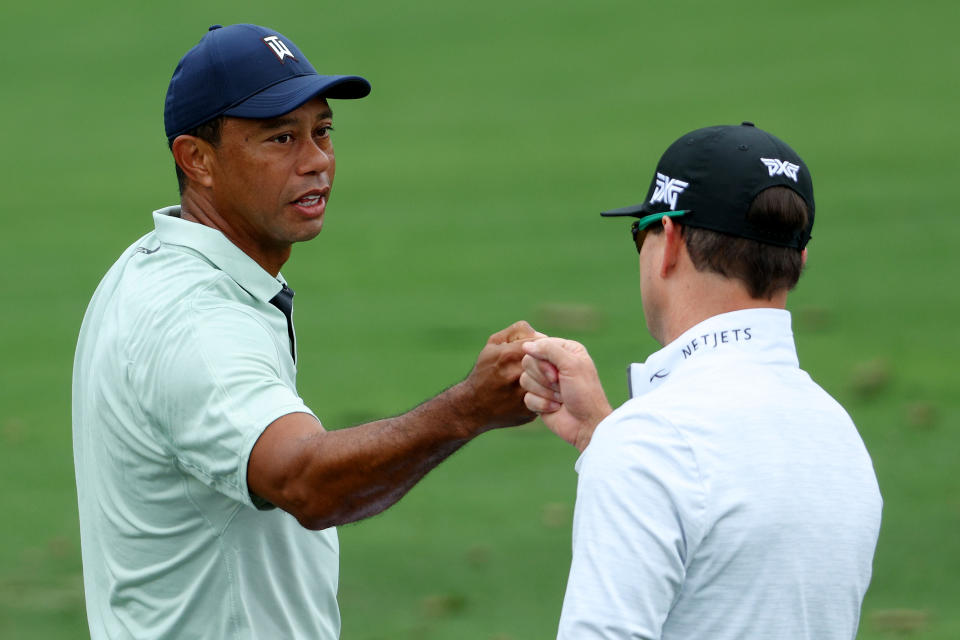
{"points": [[467, 195]]}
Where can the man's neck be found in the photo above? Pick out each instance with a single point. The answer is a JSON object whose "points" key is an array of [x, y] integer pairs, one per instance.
{"points": [[195, 208], [707, 296]]}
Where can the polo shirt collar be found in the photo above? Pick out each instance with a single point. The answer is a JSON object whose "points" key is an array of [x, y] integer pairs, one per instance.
{"points": [[217, 249], [758, 335]]}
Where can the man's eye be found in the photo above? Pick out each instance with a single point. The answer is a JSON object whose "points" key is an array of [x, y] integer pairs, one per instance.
{"points": [[283, 138], [324, 132]]}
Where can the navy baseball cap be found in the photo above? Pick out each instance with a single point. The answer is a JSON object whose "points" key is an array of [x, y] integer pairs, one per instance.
{"points": [[246, 71], [709, 178]]}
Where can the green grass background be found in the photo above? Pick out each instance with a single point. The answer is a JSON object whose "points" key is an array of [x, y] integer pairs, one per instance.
{"points": [[466, 198]]}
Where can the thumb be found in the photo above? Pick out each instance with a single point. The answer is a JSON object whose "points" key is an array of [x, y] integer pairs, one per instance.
{"points": [[562, 354], [520, 330]]}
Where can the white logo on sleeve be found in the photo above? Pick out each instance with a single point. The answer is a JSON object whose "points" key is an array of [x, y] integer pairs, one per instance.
{"points": [[781, 168], [667, 190], [279, 47]]}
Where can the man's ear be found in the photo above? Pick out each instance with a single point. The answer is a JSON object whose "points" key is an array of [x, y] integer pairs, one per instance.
{"points": [[194, 157], [673, 245], [803, 257]]}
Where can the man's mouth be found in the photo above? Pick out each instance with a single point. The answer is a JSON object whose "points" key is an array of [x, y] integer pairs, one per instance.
{"points": [[313, 203], [310, 200]]}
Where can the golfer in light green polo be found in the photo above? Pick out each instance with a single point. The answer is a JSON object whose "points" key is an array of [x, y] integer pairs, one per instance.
{"points": [[208, 491]]}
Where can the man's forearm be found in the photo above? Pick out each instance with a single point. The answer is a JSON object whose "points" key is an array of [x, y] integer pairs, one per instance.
{"points": [[360, 471]]}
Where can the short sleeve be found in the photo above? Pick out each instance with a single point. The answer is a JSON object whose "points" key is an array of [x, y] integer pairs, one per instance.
{"points": [[210, 388], [638, 515]]}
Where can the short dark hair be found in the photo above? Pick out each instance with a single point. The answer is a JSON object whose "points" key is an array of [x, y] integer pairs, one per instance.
{"points": [[208, 131], [764, 268]]}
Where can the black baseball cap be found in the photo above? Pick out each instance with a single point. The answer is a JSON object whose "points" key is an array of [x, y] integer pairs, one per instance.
{"points": [[710, 176], [246, 71]]}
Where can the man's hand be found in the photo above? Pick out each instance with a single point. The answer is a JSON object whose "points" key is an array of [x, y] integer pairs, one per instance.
{"points": [[563, 387], [491, 393]]}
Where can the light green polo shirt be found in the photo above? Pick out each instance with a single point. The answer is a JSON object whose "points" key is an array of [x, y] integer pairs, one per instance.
{"points": [[181, 364]]}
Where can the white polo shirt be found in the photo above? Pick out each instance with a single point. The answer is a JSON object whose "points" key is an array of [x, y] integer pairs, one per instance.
{"points": [[181, 364], [730, 497]]}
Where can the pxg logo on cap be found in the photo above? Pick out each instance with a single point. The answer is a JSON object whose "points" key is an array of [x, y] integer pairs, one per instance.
{"points": [[667, 190], [778, 167]]}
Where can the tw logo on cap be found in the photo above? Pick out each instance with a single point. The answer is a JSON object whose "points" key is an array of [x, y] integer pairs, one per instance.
{"points": [[279, 48], [781, 168], [667, 190]]}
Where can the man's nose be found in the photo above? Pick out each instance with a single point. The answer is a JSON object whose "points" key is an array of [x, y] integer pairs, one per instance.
{"points": [[316, 158]]}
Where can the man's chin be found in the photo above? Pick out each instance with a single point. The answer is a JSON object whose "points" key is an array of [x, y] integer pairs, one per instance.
{"points": [[306, 232]]}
